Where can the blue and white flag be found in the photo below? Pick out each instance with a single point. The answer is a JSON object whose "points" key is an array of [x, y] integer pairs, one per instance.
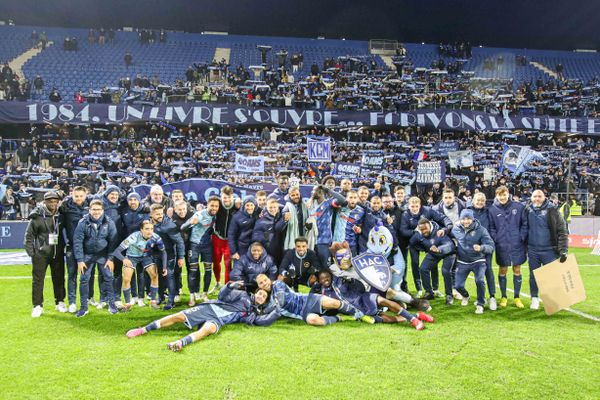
{"points": [[318, 149], [246, 164], [460, 159], [516, 159]]}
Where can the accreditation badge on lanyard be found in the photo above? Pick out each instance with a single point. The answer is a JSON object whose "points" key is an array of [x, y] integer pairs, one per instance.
{"points": [[53, 236]]}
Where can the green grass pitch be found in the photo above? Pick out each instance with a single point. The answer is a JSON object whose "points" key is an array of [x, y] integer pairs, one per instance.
{"points": [[510, 353]]}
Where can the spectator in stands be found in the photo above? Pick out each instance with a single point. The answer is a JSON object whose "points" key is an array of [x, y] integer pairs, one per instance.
{"points": [[24, 198], [23, 155], [38, 84], [9, 203], [54, 95], [128, 60]]}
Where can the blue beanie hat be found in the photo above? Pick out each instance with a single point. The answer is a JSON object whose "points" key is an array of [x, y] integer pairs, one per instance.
{"points": [[466, 213], [134, 195]]}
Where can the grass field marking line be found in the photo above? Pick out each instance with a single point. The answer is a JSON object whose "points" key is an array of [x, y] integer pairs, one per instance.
{"points": [[581, 314], [20, 277]]}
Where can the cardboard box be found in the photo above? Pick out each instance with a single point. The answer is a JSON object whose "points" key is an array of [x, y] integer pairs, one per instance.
{"points": [[560, 284]]}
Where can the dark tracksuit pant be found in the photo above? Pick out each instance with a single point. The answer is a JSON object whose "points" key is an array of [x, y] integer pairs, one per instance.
{"points": [[106, 287], [537, 258], [72, 278], [403, 245], [167, 282], [462, 272], [323, 253], [414, 265], [39, 265], [429, 272], [117, 279], [489, 276]]}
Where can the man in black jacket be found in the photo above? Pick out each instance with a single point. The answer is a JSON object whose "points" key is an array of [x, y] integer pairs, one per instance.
{"points": [[45, 246], [300, 265], [548, 238]]}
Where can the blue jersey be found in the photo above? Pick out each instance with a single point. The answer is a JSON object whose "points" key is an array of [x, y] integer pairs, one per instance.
{"points": [[323, 213], [225, 316], [201, 231], [138, 247], [291, 303], [345, 222]]}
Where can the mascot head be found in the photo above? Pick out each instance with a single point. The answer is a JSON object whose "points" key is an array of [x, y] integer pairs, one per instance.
{"points": [[381, 240], [341, 254]]}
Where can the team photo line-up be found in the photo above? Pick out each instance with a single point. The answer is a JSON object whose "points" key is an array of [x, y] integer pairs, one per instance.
{"points": [[348, 246]]}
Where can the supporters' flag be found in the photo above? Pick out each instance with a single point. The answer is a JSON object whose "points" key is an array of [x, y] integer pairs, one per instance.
{"points": [[318, 149], [460, 159], [526, 156], [247, 164], [510, 157], [419, 155], [516, 159], [443, 147], [431, 171]]}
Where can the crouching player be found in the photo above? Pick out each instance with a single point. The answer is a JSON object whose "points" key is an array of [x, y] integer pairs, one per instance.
{"points": [[310, 308], [137, 248], [368, 303], [473, 244], [436, 249], [233, 305]]}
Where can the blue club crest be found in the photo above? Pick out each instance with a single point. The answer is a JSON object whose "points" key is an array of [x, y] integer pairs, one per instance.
{"points": [[373, 269]]}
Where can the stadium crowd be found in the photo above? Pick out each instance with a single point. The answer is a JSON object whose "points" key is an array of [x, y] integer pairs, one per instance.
{"points": [[62, 157]]}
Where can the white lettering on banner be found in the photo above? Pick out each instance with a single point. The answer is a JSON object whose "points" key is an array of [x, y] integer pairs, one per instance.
{"points": [[5, 231], [430, 172], [219, 114]]}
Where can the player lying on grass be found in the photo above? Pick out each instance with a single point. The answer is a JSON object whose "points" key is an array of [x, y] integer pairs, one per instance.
{"points": [[311, 307], [369, 303], [138, 247], [234, 305]]}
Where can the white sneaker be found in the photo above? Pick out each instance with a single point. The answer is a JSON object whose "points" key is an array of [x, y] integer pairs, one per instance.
{"points": [[535, 303], [140, 302], [197, 296], [493, 305], [215, 288], [118, 304], [204, 297], [464, 301], [438, 294], [133, 300], [73, 308], [478, 309], [419, 294], [37, 311], [177, 299], [61, 307], [148, 297], [101, 305], [92, 302], [456, 295]]}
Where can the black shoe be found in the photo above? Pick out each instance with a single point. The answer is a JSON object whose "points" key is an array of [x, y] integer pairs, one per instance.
{"points": [[428, 296]]}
